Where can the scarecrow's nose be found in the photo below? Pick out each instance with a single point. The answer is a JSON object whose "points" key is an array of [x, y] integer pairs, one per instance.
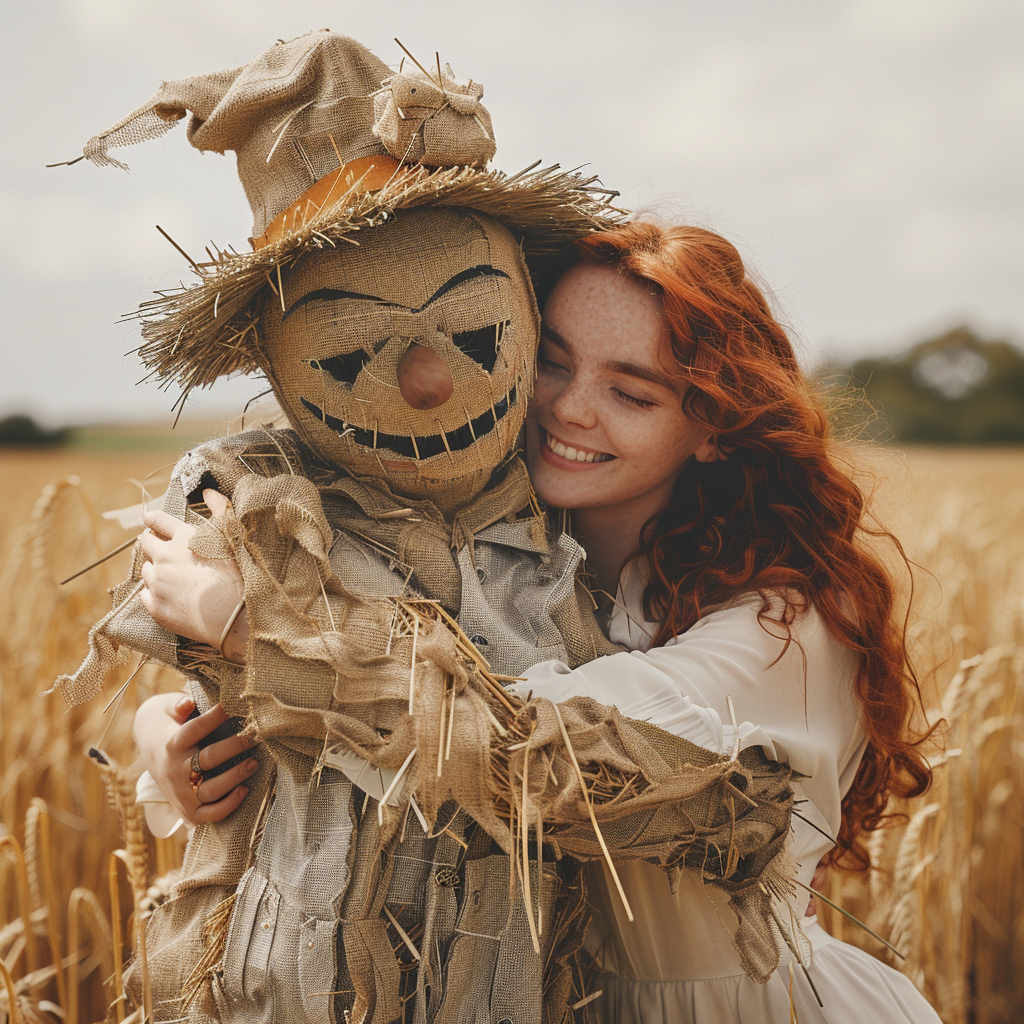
{"points": [[424, 378]]}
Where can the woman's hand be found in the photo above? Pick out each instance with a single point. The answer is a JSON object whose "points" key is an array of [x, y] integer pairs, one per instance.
{"points": [[168, 739], [817, 882], [191, 596]]}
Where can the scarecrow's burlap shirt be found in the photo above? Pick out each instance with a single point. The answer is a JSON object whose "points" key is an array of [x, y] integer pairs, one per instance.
{"points": [[337, 914]]}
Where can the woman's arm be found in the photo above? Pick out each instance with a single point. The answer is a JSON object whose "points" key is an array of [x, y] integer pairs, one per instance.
{"points": [[796, 700]]}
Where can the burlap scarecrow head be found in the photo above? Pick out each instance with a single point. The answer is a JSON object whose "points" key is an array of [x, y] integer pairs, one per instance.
{"points": [[411, 355], [387, 297]]}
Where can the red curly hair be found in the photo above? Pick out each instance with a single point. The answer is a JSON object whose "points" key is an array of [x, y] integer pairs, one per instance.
{"points": [[776, 514]]}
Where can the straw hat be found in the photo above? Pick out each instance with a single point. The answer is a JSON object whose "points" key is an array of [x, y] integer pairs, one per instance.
{"points": [[329, 142]]}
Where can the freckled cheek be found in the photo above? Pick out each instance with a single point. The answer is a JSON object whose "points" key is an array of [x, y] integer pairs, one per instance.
{"points": [[635, 435], [653, 447]]}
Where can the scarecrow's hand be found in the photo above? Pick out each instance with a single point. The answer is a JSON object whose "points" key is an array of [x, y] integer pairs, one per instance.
{"points": [[191, 596]]}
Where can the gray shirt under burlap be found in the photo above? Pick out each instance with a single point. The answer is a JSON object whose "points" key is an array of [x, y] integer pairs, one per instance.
{"points": [[310, 903]]}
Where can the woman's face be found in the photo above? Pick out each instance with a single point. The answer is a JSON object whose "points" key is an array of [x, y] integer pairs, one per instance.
{"points": [[605, 427]]}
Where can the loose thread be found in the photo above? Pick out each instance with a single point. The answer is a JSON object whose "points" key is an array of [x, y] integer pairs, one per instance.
{"points": [[791, 943], [99, 561], [120, 693], [524, 830], [195, 266], [860, 924], [735, 730], [402, 934], [412, 669], [441, 730], [451, 722]]}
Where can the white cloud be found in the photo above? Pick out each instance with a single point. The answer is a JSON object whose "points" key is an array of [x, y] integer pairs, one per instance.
{"points": [[916, 23], [941, 243]]}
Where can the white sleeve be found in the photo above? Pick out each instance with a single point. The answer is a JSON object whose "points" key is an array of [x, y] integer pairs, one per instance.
{"points": [[794, 700], [637, 693]]}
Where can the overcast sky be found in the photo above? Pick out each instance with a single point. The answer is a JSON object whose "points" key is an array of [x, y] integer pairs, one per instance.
{"points": [[866, 155]]}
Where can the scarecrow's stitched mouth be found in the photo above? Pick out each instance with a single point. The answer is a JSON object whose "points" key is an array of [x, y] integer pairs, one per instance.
{"points": [[419, 447]]}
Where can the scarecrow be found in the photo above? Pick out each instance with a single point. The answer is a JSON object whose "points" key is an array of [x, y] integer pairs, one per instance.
{"points": [[397, 570]]}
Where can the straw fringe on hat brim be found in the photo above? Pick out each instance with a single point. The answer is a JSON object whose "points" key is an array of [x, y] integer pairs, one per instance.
{"points": [[197, 333]]}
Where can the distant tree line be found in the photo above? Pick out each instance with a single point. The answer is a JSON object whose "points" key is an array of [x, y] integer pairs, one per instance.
{"points": [[953, 389], [23, 431]]}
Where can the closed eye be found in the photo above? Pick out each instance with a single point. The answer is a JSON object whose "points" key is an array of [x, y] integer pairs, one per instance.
{"points": [[343, 369], [641, 403], [547, 363], [482, 344]]}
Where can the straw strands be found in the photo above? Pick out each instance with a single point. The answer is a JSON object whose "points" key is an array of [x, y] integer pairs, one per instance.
{"points": [[195, 334], [77, 869], [947, 883]]}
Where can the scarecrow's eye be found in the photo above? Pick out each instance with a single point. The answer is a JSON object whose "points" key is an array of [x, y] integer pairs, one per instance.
{"points": [[343, 369], [482, 344]]}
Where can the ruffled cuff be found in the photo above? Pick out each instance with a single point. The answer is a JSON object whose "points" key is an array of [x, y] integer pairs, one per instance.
{"points": [[162, 817]]}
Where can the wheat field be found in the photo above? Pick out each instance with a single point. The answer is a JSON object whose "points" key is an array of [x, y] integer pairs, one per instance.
{"points": [[78, 872]]}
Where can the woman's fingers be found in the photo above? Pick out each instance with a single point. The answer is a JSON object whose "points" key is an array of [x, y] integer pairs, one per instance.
{"points": [[223, 750], [212, 790], [183, 708], [220, 809], [150, 543], [162, 523], [197, 729], [216, 502], [817, 882]]}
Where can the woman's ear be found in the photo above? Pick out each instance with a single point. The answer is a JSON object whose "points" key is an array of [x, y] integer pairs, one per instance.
{"points": [[708, 451]]}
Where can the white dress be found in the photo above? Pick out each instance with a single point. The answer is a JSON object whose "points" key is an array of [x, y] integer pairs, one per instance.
{"points": [[675, 963]]}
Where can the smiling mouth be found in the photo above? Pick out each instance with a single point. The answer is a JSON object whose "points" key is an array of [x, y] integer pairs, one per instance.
{"points": [[574, 454], [425, 447]]}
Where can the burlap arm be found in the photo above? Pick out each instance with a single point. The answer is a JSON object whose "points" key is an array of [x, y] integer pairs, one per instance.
{"points": [[656, 797], [324, 660], [128, 626]]}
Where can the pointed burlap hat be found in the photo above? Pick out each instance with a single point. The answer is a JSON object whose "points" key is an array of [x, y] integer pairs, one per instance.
{"points": [[330, 141]]}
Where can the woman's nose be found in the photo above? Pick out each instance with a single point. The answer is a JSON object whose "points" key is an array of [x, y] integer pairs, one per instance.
{"points": [[573, 405], [424, 378]]}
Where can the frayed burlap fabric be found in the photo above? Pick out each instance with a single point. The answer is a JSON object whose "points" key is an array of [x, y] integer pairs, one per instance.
{"points": [[376, 228], [297, 111], [334, 625], [429, 119]]}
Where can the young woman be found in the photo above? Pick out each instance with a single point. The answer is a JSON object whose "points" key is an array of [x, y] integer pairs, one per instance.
{"points": [[670, 417]]}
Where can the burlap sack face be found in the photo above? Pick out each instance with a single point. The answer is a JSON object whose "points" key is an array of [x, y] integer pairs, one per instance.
{"points": [[451, 280]]}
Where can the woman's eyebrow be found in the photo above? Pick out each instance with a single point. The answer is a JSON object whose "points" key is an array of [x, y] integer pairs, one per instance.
{"points": [[645, 373], [553, 336]]}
